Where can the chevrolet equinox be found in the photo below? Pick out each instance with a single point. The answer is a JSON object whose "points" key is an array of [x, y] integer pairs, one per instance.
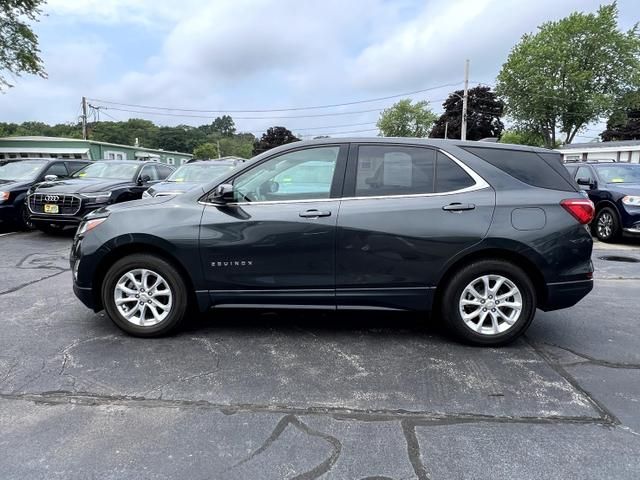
{"points": [[481, 233]]}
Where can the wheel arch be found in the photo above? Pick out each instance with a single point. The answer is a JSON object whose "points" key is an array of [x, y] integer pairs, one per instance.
{"points": [[530, 268], [131, 248]]}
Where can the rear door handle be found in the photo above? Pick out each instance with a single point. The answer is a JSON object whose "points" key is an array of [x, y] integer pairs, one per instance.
{"points": [[459, 207], [315, 213]]}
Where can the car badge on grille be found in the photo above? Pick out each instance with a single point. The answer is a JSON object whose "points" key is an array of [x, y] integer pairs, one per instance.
{"points": [[51, 198]]}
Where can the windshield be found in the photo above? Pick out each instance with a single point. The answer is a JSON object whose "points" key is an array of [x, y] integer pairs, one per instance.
{"points": [[115, 170], [20, 170], [619, 173], [199, 173]]}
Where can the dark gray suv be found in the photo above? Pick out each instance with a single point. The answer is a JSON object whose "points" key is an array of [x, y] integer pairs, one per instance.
{"points": [[482, 233]]}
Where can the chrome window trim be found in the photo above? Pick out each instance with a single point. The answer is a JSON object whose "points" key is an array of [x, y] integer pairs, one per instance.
{"points": [[480, 184]]}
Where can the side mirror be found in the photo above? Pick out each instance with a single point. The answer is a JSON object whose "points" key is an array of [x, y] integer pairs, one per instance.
{"points": [[50, 178], [143, 179], [586, 182], [223, 194]]}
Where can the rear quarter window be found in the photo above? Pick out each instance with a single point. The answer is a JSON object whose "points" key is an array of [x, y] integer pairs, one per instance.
{"points": [[540, 170]]}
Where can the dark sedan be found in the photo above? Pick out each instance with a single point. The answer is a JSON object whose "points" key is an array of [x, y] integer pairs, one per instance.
{"points": [[18, 175], [483, 233], [189, 175], [55, 205], [614, 188]]}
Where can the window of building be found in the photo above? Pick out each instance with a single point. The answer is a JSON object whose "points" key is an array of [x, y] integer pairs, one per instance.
{"points": [[114, 155], [171, 161]]}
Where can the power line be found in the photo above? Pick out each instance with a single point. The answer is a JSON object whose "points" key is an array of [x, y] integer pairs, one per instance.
{"points": [[276, 110]]}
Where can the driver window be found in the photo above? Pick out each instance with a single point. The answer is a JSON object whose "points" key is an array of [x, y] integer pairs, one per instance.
{"points": [[150, 170], [301, 175]]}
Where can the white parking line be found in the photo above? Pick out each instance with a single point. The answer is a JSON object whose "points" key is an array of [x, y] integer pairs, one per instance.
{"points": [[8, 233]]}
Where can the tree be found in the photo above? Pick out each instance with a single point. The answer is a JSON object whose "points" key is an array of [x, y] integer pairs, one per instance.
{"points": [[522, 137], [274, 137], [624, 122], [19, 52], [405, 119], [570, 73], [206, 151], [483, 115]]}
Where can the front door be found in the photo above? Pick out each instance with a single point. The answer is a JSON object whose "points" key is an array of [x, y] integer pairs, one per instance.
{"points": [[275, 244], [407, 210]]}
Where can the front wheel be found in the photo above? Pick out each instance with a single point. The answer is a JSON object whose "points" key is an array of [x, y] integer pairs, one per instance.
{"points": [[24, 221], [489, 302], [144, 295], [607, 226]]}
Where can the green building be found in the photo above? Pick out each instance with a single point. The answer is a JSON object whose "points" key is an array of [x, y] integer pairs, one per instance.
{"points": [[54, 147]]}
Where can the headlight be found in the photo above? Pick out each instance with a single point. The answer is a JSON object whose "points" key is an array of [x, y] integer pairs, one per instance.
{"points": [[631, 200], [4, 196], [89, 225], [97, 197], [146, 194]]}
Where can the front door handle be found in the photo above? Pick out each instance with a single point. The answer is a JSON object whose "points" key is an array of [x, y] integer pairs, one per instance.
{"points": [[458, 207], [313, 213]]}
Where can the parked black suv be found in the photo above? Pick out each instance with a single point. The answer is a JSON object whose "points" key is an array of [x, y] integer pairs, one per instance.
{"points": [[484, 233], [614, 188], [20, 174], [54, 205]]}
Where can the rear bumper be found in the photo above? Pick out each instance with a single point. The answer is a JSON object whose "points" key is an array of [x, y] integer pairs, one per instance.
{"points": [[565, 294]]}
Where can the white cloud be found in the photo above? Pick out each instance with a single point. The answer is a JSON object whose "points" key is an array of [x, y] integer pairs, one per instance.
{"points": [[242, 54]]}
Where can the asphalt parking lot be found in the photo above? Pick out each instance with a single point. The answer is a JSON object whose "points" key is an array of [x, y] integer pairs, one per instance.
{"points": [[270, 395]]}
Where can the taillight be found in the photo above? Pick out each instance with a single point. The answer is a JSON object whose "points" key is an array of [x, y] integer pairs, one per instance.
{"points": [[580, 208]]}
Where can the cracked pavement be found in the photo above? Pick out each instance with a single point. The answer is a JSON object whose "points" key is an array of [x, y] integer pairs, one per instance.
{"points": [[245, 394]]}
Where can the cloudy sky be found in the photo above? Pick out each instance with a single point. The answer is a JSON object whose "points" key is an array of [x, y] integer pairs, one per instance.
{"points": [[227, 55]]}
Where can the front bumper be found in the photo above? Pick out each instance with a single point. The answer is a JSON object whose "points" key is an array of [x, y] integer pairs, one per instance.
{"points": [[59, 219], [565, 294], [85, 295]]}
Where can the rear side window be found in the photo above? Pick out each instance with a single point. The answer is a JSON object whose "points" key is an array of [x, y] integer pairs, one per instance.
{"points": [[394, 170], [528, 167], [450, 176]]}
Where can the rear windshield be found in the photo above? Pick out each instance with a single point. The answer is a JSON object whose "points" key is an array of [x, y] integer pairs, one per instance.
{"points": [[543, 170]]}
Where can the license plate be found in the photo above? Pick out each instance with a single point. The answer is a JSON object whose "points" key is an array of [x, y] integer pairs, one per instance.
{"points": [[49, 208]]}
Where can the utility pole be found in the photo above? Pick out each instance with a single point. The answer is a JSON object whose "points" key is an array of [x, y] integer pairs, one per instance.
{"points": [[218, 144], [446, 129], [465, 99], [84, 118]]}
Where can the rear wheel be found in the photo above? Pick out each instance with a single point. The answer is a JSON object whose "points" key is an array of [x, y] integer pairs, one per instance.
{"points": [[607, 225], [489, 302], [144, 295]]}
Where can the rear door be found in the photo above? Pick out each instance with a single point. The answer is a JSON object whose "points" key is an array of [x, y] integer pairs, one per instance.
{"points": [[406, 211]]}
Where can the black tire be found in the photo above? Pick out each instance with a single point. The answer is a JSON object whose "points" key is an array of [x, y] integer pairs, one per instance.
{"points": [[175, 282], [450, 302], [24, 222], [606, 225]]}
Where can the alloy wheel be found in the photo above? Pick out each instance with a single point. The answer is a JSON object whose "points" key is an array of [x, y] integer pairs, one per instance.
{"points": [[490, 304], [143, 297], [605, 225]]}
